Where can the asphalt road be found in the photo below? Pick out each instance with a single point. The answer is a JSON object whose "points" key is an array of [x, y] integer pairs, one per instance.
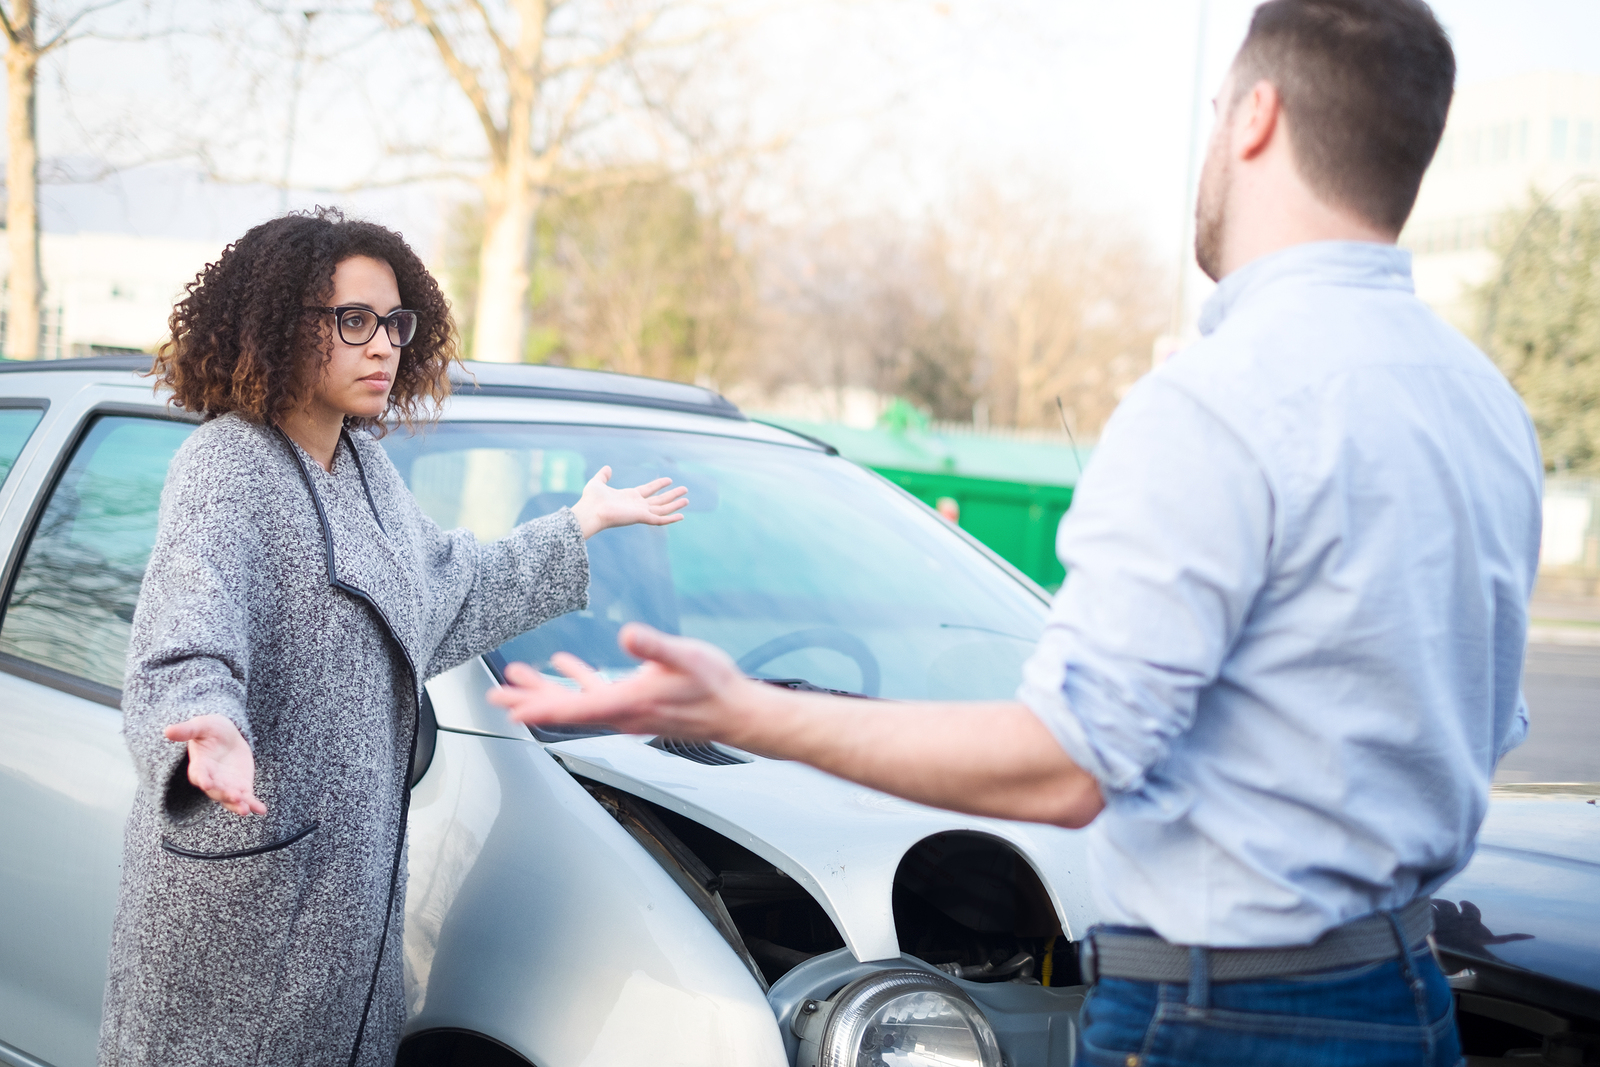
{"points": [[1562, 684]]}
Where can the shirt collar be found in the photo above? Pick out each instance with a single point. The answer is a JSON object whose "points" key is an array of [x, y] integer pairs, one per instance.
{"points": [[1354, 263]]}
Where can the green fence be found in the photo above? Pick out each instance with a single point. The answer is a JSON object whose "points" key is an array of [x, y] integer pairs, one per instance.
{"points": [[1011, 493]]}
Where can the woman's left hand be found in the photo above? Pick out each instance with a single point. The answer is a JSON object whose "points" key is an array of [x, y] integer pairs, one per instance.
{"points": [[653, 504]]}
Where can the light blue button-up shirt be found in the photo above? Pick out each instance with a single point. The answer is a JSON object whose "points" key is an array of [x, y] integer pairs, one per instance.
{"points": [[1289, 646]]}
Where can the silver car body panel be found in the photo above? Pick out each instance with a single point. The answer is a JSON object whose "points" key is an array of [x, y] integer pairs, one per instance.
{"points": [[532, 916], [460, 703], [66, 786]]}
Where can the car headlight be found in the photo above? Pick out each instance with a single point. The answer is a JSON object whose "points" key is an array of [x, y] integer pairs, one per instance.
{"points": [[896, 1018]]}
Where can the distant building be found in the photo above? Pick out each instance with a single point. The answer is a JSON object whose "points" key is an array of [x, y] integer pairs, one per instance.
{"points": [[108, 292], [1505, 140]]}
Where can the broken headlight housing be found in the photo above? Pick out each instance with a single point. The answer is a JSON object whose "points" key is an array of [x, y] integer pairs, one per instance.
{"points": [[896, 1018]]}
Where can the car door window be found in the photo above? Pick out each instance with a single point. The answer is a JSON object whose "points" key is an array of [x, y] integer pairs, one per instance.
{"points": [[71, 605], [16, 426]]}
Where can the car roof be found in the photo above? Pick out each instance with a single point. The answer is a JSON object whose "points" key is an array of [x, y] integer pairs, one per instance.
{"points": [[568, 383], [484, 379]]}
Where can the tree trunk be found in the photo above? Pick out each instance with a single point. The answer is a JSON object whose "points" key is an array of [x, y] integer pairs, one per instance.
{"points": [[512, 199], [22, 189], [500, 322]]}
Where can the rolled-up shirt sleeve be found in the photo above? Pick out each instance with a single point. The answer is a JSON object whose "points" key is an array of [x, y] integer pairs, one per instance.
{"points": [[1518, 731], [1166, 550]]}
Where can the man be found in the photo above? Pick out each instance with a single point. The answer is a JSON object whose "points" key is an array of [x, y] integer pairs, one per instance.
{"points": [[1288, 652]]}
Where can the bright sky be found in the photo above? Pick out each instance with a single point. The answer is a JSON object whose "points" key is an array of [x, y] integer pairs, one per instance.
{"points": [[1097, 95], [898, 101]]}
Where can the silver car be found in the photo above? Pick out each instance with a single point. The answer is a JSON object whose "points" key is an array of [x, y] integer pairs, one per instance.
{"points": [[577, 898]]}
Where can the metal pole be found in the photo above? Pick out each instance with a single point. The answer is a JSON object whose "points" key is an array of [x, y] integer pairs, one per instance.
{"points": [[1185, 233]]}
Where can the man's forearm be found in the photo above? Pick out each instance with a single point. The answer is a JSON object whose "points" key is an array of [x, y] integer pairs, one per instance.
{"points": [[992, 758]]}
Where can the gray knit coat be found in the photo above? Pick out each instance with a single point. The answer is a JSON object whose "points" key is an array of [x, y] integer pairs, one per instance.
{"points": [[307, 607]]}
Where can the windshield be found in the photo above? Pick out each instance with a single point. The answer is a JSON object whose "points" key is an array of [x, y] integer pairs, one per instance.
{"points": [[798, 564]]}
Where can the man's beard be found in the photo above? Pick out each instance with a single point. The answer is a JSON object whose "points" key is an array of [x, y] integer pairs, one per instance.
{"points": [[1210, 214]]}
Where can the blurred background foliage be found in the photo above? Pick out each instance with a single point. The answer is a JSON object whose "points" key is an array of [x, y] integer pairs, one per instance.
{"points": [[983, 313], [1540, 322], [633, 276]]}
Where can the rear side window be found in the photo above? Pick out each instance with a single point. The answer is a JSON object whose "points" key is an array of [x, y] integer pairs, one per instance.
{"points": [[16, 425], [71, 605]]}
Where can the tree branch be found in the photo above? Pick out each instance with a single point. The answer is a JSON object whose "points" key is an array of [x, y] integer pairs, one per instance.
{"points": [[465, 75], [61, 37], [624, 45], [581, 183], [5, 23], [664, 44], [212, 174], [507, 60]]}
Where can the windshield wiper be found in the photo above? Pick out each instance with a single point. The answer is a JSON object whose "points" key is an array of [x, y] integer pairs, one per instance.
{"points": [[985, 629], [802, 686]]}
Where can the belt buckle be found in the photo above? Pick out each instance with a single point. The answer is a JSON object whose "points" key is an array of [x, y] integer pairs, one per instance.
{"points": [[1087, 968]]}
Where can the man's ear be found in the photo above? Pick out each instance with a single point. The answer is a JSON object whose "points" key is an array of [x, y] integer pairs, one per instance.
{"points": [[1256, 119]]}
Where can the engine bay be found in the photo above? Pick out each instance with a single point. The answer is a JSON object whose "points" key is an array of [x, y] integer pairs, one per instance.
{"points": [[964, 902]]}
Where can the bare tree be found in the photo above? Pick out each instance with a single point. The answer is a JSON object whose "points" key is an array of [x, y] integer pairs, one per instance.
{"points": [[27, 44], [545, 79], [986, 311], [640, 278], [1062, 304], [650, 283]]}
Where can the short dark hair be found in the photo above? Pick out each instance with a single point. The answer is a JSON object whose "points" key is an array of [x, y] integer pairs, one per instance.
{"points": [[242, 342], [1366, 86]]}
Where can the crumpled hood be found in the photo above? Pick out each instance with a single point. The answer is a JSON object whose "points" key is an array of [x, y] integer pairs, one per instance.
{"points": [[840, 841], [1530, 898]]}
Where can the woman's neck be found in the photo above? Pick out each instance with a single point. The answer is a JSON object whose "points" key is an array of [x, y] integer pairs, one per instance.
{"points": [[316, 432]]}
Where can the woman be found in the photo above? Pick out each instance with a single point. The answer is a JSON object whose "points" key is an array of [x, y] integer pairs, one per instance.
{"points": [[296, 599]]}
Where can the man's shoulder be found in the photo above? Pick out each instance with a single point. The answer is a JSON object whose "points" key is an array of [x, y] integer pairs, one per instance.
{"points": [[1161, 416], [1307, 341]]}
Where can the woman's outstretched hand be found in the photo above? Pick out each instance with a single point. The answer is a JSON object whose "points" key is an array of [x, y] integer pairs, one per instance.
{"points": [[221, 764], [653, 504], [686, 688]]}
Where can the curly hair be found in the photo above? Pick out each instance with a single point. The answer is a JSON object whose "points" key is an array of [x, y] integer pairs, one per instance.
{"points": [[241, 341]]}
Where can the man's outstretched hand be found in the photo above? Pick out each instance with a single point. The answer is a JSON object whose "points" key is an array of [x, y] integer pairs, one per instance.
{"points": [[686, 688], [984, 757], [221, 764]]}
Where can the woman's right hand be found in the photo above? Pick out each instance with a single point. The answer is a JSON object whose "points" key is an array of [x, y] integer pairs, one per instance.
{"points": [[221, 764]]}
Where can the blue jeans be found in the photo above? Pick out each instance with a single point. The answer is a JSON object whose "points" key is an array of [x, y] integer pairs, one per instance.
{"points": [[1385, 1014]]}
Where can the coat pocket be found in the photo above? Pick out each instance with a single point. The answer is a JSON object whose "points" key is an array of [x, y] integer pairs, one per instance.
{"points": [[233, 854]]}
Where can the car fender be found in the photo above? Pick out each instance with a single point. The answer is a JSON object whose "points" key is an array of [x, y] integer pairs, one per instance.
{"points": [[533, 918]]}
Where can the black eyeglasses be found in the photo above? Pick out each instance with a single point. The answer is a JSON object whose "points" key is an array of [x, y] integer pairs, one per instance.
{"points": [[358, 324]]}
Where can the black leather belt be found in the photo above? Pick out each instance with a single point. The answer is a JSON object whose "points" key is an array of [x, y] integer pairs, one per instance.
{"points": [[1108, 953]]}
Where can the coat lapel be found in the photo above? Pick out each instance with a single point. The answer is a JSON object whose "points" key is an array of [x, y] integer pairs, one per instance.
{"points": [[364, 563]]}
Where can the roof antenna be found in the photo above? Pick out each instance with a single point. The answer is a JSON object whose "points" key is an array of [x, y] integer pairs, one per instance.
{"points": [[1062, 408]]}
